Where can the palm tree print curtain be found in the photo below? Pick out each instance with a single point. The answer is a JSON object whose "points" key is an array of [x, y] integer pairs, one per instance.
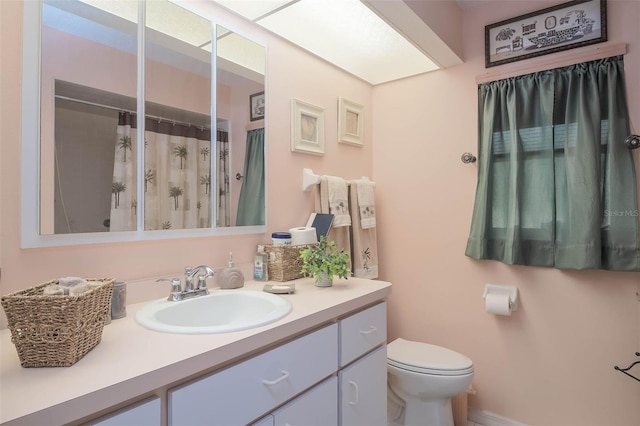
{"points": [[222, 153], [123, 187], [177, 176]]}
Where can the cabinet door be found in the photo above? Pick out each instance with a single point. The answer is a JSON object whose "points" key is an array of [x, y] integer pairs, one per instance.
{"points": [[146, 413], [247, 391], [316, 407], [363, 391]]}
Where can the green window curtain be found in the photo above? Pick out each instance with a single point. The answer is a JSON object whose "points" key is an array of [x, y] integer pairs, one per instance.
{"points": [[556, 183], [251, 205]]}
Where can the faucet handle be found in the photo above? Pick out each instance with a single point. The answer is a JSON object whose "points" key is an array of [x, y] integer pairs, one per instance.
{"points": [[176, 289], [202, 284]]}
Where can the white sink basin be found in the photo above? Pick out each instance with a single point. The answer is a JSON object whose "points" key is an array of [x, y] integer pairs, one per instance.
{"points": [[222, 311]]}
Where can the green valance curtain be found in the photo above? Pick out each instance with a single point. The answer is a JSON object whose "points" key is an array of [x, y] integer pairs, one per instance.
{"points": [[556, 183]]}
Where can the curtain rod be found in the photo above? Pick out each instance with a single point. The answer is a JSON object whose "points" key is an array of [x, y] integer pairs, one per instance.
{"points": [[154, 117], [564, 59]]}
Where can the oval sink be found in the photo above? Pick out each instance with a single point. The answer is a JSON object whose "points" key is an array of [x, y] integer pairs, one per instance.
{"points": [[222, 311]]}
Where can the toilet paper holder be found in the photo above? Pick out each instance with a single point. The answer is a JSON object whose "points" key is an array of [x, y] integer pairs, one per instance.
{"points": [[510, 291]]}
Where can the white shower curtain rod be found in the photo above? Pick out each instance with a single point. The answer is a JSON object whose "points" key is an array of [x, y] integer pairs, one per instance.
{"points": [[154, 117]]}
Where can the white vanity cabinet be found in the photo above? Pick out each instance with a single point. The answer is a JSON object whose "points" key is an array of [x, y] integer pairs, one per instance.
{"points": [[363, 373], [302, 371], [145, 413], [241, 393], [323, 363]]}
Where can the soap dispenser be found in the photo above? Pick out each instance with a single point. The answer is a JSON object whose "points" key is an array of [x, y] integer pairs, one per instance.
{"points": [[231, 277]]}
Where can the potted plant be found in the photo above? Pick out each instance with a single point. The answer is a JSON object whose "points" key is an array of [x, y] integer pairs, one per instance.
{"points": [[324, 261]]}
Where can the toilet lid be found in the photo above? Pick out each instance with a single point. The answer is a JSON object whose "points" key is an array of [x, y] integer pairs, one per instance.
{"points": [[427, 359]]}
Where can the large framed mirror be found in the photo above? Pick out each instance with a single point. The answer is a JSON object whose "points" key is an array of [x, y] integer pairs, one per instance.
{"points": [[118, 140]]}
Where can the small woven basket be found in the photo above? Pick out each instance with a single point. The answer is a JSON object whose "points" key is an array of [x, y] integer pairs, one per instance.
{"points": [[56, 330], [284, 262]]}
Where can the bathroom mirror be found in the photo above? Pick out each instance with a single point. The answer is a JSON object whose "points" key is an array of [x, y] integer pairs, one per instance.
{"points": [[87, 173], [96, 50], [177, 141]]}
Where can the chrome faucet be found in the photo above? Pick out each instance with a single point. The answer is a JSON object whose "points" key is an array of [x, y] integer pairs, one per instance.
{"points": [[177, 293]]}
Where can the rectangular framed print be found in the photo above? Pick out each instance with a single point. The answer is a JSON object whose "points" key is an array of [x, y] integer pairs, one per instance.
{"points": [[565, 26], [307, 128], [350, 122]]}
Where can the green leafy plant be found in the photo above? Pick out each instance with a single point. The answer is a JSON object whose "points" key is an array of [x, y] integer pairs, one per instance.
{"points": [[325, 258]]}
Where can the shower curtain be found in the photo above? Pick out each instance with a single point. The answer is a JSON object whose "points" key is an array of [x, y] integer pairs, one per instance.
{"points": [[177, 177], [251, 205], [222, 154], [123, 186]]}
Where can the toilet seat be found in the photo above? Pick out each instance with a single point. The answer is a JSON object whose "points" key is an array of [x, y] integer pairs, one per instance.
{"points": [[425, 358]]}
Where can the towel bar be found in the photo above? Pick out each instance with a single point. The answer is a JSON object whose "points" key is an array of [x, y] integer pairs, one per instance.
{"points": [[309, 179]]}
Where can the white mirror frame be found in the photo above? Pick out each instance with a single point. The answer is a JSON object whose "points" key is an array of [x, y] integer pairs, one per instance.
{"points": [[30, 151]]}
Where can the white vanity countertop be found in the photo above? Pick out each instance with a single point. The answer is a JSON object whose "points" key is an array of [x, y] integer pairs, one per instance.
{"points": [[131, 361]]}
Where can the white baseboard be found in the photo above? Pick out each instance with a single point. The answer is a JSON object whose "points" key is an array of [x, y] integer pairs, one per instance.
{"points": [[486, 418]]}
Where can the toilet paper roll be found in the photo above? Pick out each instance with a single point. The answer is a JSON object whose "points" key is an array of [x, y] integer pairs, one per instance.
{"points": [[303, 235], [497, 304]]}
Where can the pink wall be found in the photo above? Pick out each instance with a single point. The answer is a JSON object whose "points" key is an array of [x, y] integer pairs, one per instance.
{"points": [[551, 363]]}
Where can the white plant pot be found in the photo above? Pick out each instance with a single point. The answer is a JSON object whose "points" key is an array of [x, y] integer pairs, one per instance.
{"points": [[324, 281]]}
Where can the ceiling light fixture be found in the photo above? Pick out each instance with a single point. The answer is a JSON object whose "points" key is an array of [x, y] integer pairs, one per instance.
{"points": [[345, 33]]}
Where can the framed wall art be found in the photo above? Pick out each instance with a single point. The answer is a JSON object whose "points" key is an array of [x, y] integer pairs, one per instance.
{"points": [[554, 29], [350, 122], [256, 102], [307, 128]]}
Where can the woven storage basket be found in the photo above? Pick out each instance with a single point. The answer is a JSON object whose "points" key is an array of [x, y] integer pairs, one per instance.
{"points": [[56, 331], [284, 262]]}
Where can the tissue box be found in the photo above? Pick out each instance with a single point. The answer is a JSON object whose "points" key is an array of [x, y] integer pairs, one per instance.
{"points": [[56, 331], [284, 262]]}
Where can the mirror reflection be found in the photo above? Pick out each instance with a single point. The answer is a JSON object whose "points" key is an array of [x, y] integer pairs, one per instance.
{"points": [[88, 60], [194, 175], [177, 141], [240, 106]]}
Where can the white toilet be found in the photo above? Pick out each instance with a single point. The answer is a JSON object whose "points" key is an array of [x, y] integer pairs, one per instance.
{"points": [[423, 378]]}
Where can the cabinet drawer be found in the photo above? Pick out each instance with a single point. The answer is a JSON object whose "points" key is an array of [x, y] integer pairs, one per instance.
{"points": [[244, 392], [145, 413], [362, 332], [316, 407]]}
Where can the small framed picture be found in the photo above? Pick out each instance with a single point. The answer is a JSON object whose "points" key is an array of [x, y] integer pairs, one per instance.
{"points": [[350, 122], [256, 102], [307, 128]]}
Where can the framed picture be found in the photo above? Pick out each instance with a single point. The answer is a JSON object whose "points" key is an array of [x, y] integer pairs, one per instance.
{"points": [[307, 128], [561, 27], [350, 122], [256, 102]]}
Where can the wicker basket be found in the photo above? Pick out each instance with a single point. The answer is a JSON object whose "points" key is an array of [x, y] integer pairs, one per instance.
{"points": [[284, 262], [56, 331]]}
